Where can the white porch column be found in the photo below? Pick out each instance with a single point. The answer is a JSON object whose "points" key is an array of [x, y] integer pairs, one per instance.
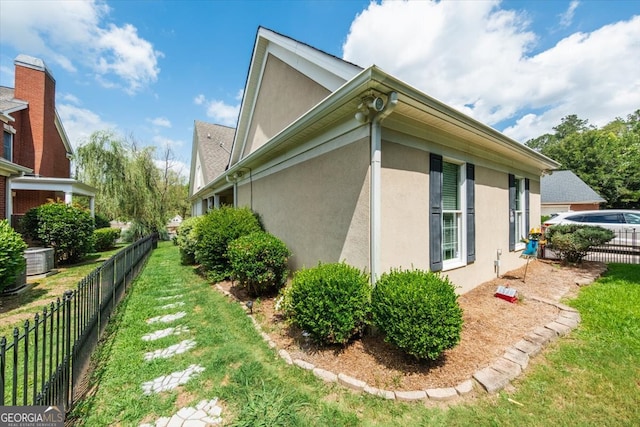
{"points": [[92, 206], [216, 201], [8, 203], [68, 198]]}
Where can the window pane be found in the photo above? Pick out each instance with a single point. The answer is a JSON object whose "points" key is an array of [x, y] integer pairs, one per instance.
{"points": [[632, 218], [450, 186], [519, 195], [603, 218], [7, 146], [450, 233]]}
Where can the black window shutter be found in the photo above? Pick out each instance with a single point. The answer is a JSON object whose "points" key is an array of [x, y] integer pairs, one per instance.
{"points": [[435, 212], [512, 212], [471, 212], [527, 223]]}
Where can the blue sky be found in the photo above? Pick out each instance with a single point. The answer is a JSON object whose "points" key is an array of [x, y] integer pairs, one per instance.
{"points": [[148, 69]]}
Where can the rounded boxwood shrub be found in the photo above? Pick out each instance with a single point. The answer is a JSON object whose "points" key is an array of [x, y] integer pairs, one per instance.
{"points": [[105, 238], [572, 242], [330, 302], [259, 262], [66, 228], [12, 261], [186, 240], [215, 231], [418, 311]]}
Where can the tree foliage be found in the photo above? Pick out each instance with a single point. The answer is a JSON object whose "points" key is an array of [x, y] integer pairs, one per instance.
{"points": [[606, 159], [12, 261], [131, 185]]}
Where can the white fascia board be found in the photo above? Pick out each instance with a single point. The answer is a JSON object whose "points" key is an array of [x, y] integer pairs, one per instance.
{"points": [[9, 169], [67, 185], [63, 134], [441, 110]]}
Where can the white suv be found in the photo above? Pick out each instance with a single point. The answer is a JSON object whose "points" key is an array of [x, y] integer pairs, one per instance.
{"points": [[625, 223]]}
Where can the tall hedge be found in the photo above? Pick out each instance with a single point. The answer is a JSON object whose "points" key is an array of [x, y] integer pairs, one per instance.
{"points": [[215, 231], [418, 311], [186, 239], [66, 228], [12, 261]]}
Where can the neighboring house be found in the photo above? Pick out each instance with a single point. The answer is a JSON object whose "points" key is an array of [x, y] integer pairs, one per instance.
{"points": [[351, 164], [564, 191], [35, 142], [209, 158], [173, 224]]}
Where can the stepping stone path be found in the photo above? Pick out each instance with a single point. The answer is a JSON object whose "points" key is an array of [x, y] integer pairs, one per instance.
{"points": [[172, 380], [165, 333], [206, 413], [167, 318], [171, 351], [173, 305]]}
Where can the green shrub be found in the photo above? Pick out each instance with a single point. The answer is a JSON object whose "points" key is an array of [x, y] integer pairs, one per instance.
{"points": [[572, 242], [12, 261], [101, 221], [186, 240], [105, 238], [215, 231], [259, 262], [330, 302], [65, 228], [418, 311]]}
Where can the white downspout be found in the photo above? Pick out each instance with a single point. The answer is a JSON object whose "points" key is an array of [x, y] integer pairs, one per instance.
{"points": [[375, 183]]}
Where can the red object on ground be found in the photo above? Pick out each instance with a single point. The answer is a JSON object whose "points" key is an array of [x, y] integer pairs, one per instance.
{"points": [[506, 297]]}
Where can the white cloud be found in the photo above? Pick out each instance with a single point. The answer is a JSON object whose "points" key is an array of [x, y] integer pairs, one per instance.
{"points": [[76, 34], [160, 122], [199, 100], [567, 17], [477, 57], [221, 112], [80, 123]]}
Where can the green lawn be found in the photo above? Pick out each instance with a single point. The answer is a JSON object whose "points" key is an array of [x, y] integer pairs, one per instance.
{"points": [[591, 377], [14, 310]]}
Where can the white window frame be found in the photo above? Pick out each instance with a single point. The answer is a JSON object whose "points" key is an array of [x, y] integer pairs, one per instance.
{"points": [[519, 213], [461, 221], [8, 130]]}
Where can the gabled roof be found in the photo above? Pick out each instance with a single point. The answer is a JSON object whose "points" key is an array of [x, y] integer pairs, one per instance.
{"points": [[211, 147], [414, 113], [566, 187], [327, 70]]}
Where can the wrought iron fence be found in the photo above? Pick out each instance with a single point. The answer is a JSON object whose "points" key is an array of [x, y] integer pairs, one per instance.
{"points": [[43, 362], [624, 248]]}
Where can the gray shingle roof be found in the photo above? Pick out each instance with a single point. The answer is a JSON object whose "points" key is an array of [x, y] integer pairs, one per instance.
{"points": [[566, 187], [7, 101], [213, 157]]}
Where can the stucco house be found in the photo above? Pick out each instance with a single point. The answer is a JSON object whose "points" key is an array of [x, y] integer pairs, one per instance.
{"points": [[352, 164], [564, 191], [35, 157]]}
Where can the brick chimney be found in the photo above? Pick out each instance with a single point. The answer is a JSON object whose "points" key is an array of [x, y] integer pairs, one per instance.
{"points": [[41, 147]]}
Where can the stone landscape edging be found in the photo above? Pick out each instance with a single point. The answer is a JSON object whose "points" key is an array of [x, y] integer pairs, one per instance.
{"points": [[491, 379]]}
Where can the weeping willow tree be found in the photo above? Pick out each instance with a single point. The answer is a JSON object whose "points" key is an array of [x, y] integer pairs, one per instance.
{"points": [[129, 184]]}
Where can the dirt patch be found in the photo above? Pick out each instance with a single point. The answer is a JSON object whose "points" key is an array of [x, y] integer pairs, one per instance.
{"points": [[491, 325]]}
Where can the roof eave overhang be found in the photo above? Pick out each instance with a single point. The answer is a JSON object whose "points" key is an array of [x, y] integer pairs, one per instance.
{"points": [[11, 169], [374, 80], [67, 185], [63, 135]]}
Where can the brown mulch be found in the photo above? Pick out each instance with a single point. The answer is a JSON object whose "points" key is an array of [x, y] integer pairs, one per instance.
{"points": [[491, 325]]}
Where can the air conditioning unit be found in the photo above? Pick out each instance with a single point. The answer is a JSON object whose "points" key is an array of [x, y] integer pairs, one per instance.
{"points": [[39, 260]]}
